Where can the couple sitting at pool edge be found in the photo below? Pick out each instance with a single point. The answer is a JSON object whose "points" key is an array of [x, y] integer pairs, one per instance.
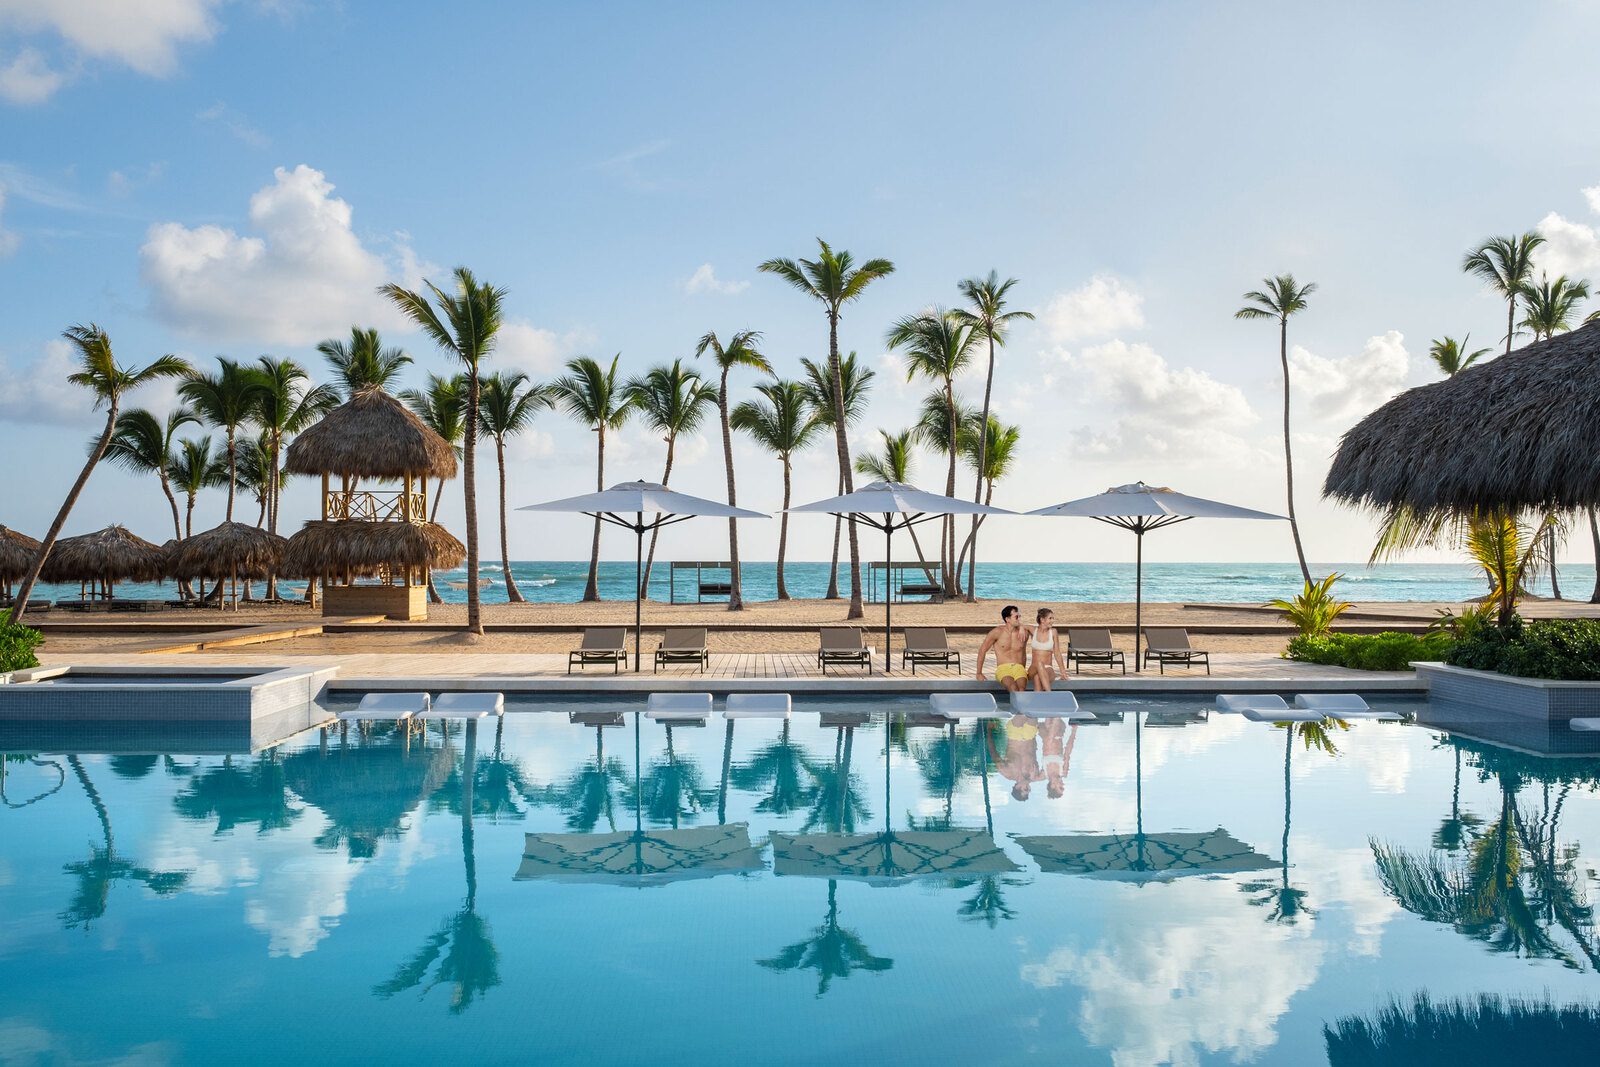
{"points": [[1023, 653]]}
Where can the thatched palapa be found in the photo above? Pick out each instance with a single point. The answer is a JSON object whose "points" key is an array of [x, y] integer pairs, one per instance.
{"points": [[109, 555], [372, 436], [365, 548], [232, 550], [1521, 431], [17, 553]]}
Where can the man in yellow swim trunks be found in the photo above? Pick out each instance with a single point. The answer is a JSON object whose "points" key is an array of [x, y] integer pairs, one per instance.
{"points": [[1008, 640]]}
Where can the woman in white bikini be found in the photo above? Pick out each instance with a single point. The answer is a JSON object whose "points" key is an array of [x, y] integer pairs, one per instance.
{"points": [[1044, 652]]}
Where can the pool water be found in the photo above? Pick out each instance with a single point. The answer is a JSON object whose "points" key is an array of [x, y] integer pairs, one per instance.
{"points": [[1164, 885]]}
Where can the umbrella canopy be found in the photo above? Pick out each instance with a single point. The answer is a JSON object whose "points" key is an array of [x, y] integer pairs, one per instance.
{"points": [[371, 436], [889, 857], [1141, 856], [640, 857], [1141, 508], [891, 506], [641, 499], [1532, 422], [365, 548], [111, 555], [232, 550]]}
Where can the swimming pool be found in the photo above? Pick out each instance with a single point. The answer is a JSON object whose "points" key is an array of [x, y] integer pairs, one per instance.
{"points": [[1165, 884]]}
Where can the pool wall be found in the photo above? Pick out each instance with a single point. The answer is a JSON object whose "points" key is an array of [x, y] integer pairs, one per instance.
{"points": [[285, 696]]}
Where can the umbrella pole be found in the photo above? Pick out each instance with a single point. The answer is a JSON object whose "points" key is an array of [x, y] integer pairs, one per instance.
{"points": [[888, 599], [638, 593], [1138, 597]]}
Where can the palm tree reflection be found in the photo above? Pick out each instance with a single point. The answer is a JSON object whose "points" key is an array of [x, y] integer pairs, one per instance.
{"points": [[1284, 901], [1487, 1029], [255, 794], [96, 874], [779, 769]]}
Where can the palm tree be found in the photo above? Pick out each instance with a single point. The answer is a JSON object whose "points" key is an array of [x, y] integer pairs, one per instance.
{"points": [[991, 321], [226, 400], [1281, 298], [995, 449], [783, 424], [672, 401], [833, 280], [471, 319], [256, 475], [894, 465], [142, 443], [98, 372], [740, 351], [442, 407], [506, 407], [192, 469], [818, 383], [1505, 265], [591, 394], [287, 404], [363, 363], [1452, 356], [938, 345]]}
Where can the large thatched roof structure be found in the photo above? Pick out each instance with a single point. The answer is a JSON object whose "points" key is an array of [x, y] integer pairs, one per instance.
{"points": [[362, 548], [110, 555], [232, 550], [17, 553], [372, 436], [1521, 431]]}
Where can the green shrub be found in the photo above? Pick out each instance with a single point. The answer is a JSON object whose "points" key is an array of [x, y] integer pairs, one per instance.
{"points": [[1555, 649], [16, 647], [1388, 651]]}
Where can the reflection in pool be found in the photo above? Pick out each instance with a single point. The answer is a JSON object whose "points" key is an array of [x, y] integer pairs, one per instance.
{"points": [[1158, 885]]}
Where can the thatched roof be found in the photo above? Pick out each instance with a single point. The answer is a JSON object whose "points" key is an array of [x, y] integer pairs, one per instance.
{"points": [[363, 547], [112, 554], [17, 552], [372, 436], [1521, 431], [233, 549]]}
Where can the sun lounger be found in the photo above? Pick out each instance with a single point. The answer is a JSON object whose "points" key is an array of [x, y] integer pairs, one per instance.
{"points": [[1286, 714], [465, 706], [1057, 704], [387, 707], [34, 606], [683, 644], [1236, 702], [601, 644], [842, 646], [1093, 646], [965, 705], [679, 707], [1170, 644], [757, 706], [929, 646], [1344, 706], [137, 605]]}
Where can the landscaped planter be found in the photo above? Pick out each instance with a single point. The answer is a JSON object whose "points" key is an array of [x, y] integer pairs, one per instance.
{"points": [[1529, 713]]}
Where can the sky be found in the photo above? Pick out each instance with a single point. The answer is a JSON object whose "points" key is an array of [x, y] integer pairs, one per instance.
{"points": [[236, 178]]}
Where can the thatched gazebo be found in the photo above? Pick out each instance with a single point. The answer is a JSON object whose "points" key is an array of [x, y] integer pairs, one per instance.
{"points": [[366, 534], [104, 558], [1519, 432], [17, 553], [229, 552]]}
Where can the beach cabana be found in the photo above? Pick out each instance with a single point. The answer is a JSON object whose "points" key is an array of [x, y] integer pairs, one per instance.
{"points": [[102, 559], [17, 553], [374, 438], [228, 552]]}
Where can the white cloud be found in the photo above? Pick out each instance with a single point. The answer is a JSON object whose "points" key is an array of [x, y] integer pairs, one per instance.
{"points": [[29, 79], [534, 350], [1340, 389], [1570, 248], [234, 122], [8, 239], [144, 37], [124, 182], [705, 280], [305, 277], [1099, 308], [39, 391], [1592, 195]]}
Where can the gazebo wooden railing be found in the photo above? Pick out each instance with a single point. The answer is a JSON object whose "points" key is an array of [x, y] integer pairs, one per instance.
{"points": [[368, 506]]}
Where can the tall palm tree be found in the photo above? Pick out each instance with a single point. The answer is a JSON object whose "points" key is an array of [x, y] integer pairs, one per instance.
{"points": [[1452, 356], [1281, 298], [143, 444], [834, 280], [591, 394], [672, 401], [193, 468], [99, 373], [506, 408], [1505, 265], [991, 321], [783, 423], [288, 403], [256, 476], [938, 345], [464, 324], [227, 400], [740, 351], [442, 407], [995, 450], [818, 383], [363, 363], [894, 465]]}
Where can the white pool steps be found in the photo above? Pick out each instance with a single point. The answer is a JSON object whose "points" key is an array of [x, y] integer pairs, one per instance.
{"points": [[387, 707], [465, 706], [1238, 702], [1585, 725], [678, 707], [965, 705], [757, 706], [1058, 704]]}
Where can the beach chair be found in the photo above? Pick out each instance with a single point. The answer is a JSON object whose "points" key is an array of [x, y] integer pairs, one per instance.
{"points": [[842, 646], [929, 646], [1170, 644], [1093, 646], [683, 644], [601, 644]]}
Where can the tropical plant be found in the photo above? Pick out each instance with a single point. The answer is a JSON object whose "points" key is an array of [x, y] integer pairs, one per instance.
{"points": [[739, 351], [287, 404], [671, 401], [1486, 1028], [464, 323], [142, 443], [1452, 356], [363, 363], [98, 372], [834, 280], [1313, 610], [507, 405], [818, 383], [995, 450], [227, 400], [1508, 551], [1505, 265], [894, 465], [783, 423], [193, 468], [591, 394], [991, 322], [442, 407], [258, 478], [1282, 297], [17, 645], [1552, 649], [1388, 651]]}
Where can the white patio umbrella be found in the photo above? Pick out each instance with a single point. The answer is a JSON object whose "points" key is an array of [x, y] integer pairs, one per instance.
{"points": [[640, 499], [1142, 508], [891, 506]]}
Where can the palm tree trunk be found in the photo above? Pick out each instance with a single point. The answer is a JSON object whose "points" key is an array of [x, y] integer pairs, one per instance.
{"points": [[736, 593], [1594, 533], [433, 590], [951, 588], [666, 477], [833, 564], [469, 482], [983, 461], [783, 530], [233, 471], [20, 602], [513, 594], [273, 489], [184, 590], [1511, 319], [841, 438], [1288, 455], [591, 588], [1550, 550]]}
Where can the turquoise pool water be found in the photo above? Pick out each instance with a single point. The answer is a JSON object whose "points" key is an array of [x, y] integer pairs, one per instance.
{"points": [[1188, 888]]}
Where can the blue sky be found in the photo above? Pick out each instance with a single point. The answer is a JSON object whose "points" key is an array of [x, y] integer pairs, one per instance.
{"points": [[235, 178]]}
